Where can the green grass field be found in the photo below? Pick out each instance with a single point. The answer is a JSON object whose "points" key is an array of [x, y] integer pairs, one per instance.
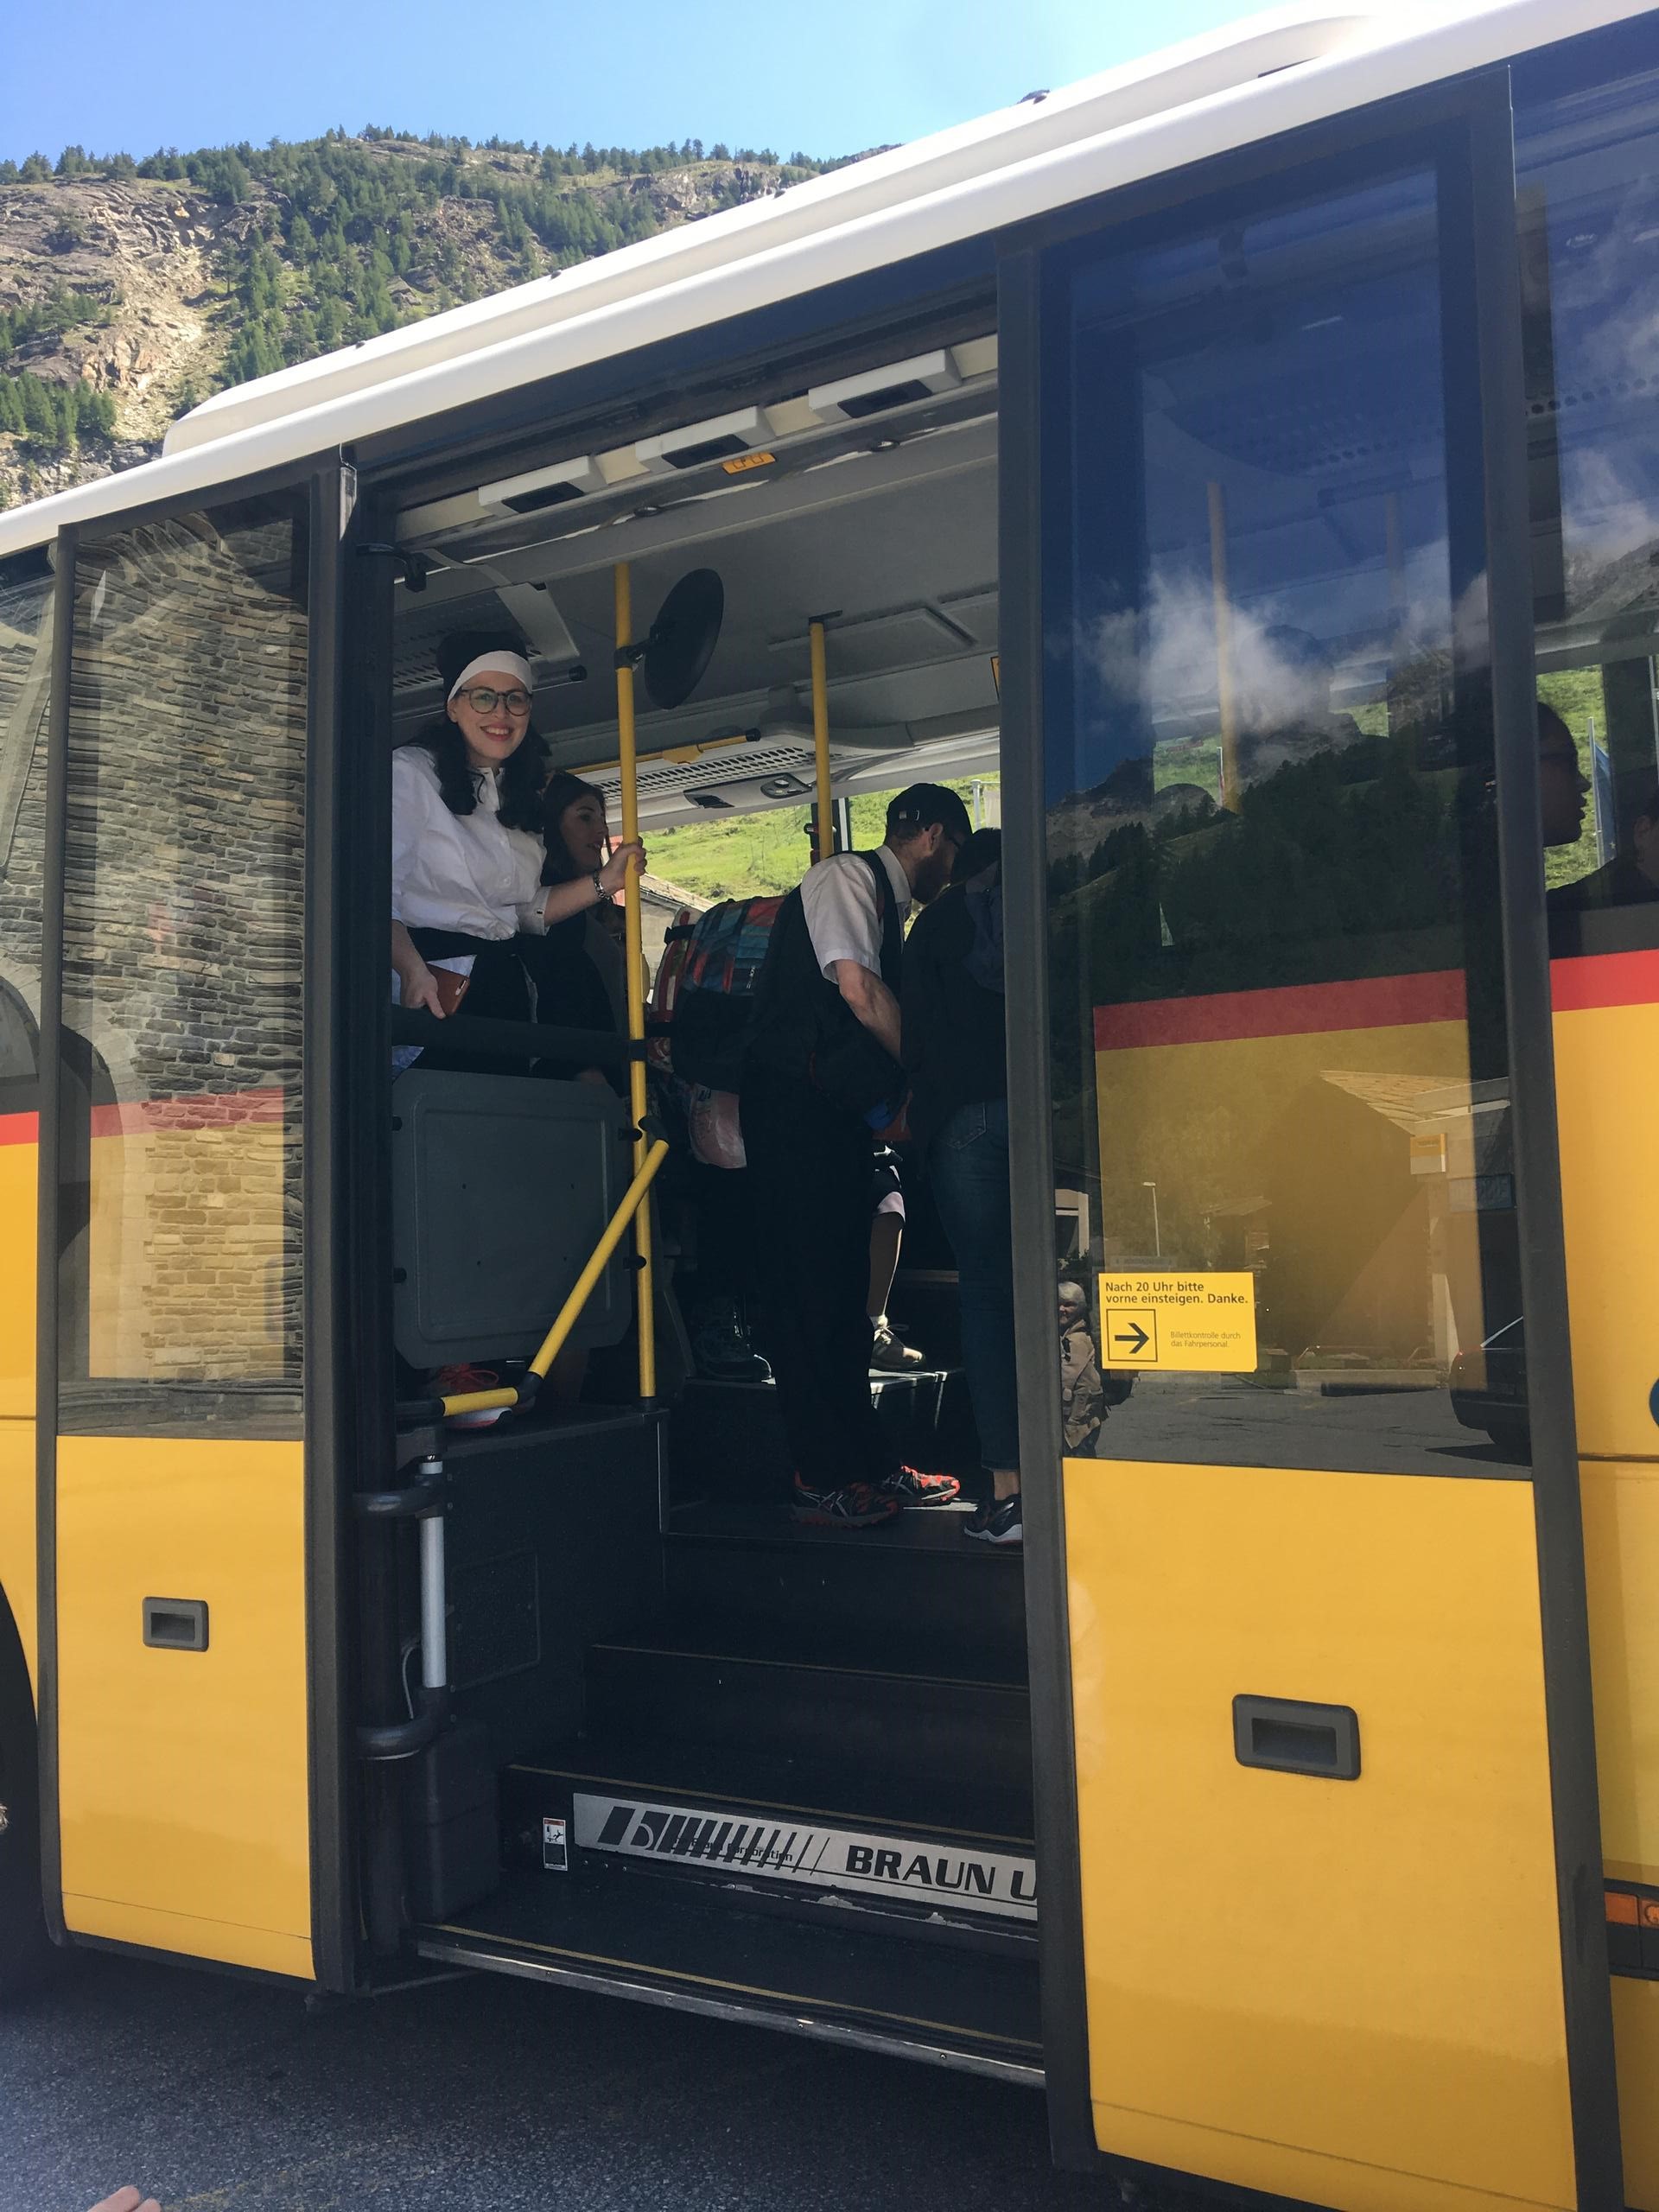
{"points": [[752, 854]]}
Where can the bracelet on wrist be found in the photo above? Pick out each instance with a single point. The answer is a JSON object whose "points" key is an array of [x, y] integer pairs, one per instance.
{"points": [[600, 894]]}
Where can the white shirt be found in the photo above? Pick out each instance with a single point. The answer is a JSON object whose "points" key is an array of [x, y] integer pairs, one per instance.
{"points": [[842, 918], [464, 871]]}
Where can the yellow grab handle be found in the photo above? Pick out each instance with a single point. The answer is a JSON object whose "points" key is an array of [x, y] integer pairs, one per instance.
{"points": [[474, 1401]]}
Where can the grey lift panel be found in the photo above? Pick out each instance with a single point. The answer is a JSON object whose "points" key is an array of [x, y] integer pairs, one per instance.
{"points": [[501, 1185]]}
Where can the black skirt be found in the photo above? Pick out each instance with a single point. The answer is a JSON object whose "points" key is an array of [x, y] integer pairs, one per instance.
{"points": [[498, 991]]}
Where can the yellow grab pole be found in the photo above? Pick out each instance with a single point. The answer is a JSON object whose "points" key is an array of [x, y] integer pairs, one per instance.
{"points": [[1225, 702], [632, 1208], [821, 741], [628, 761], [582, 1290], [1396, 550]]}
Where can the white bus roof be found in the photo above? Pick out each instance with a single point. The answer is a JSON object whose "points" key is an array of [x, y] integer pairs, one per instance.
{"points": [[1273, 72]]}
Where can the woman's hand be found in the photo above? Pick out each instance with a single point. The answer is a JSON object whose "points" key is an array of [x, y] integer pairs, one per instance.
{"points": [[417, 985], [614, 873], [420, 989]]}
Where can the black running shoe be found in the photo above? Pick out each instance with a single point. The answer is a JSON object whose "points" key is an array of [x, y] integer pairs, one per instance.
{"points": [[853, 1505], [720, 1348], [890, 1355], [999, 1522], [913, 1488]]}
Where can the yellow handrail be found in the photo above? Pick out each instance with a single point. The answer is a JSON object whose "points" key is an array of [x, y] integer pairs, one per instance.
{"points": [[628, 761], [826, 840], [582, 1290], [1226, 701]]}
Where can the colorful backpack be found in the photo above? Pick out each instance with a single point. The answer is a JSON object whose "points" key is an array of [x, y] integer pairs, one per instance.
{"points": [[702, 1000]]}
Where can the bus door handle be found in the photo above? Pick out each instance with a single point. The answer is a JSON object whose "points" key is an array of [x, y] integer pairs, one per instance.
{"points": [[425, 1500], [1288, 1736]]}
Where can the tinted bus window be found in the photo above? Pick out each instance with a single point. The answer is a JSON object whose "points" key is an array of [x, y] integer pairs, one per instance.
{"points": [[1276, 978], [26, 589], [25, 592], [184, 866], [1589, 200]]}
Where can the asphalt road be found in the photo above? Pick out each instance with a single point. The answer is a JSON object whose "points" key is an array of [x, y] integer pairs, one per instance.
{"points": [[483, 2092]]}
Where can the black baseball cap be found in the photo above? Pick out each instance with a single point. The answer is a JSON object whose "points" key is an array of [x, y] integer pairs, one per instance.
{"points": [[922, 805]]}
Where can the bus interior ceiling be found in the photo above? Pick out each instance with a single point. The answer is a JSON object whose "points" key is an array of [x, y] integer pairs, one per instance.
{"points": [[714, 1746]]}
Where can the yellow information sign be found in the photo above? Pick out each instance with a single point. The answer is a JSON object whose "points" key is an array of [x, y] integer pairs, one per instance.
{"points": [[1197, 1322]]}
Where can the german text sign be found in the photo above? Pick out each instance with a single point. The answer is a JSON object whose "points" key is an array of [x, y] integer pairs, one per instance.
{"points": [[1197, 1322]]}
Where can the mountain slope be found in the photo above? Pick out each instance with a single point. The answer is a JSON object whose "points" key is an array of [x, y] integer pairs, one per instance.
{"points": [[131, 290]]}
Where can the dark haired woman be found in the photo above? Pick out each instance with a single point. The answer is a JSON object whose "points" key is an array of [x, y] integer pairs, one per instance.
{"points": [[581, 965], [465, 844]]}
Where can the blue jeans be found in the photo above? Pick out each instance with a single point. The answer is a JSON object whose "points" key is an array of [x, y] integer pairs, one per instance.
{"points": [[968, 1162]]}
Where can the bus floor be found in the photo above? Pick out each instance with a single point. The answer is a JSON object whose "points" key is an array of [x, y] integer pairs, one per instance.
{"points": [[798, 1788]]}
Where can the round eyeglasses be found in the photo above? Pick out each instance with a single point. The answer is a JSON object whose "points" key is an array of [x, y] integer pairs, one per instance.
{"points": [[484, 700]]}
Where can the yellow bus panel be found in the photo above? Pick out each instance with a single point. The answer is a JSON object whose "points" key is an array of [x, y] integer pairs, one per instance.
{"points": [[1621, 1560], [17, 1530], [1385, 1949], [1635, 2037], [19, 1172], [183, 1781], [1606, 1031], [19, 1163]]}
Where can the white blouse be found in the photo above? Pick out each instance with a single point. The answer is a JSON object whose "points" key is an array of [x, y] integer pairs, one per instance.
{"points": [[463, 872]]}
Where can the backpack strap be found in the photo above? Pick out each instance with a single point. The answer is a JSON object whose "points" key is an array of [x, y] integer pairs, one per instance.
{"points": [[892, 935]]}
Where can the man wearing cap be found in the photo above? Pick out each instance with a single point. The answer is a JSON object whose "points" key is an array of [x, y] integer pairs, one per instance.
{"points": [[822, 1076]]}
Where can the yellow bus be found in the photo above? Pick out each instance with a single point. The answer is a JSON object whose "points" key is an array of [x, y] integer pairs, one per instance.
{"points": [[1252, 457]]}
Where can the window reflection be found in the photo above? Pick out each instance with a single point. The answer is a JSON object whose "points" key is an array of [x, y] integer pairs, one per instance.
{"points": [[1274, 893], [184, 871], [1590, 238]]}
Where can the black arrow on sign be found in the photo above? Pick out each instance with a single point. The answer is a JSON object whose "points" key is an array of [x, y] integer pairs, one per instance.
{"points": [[1137, 1339]]}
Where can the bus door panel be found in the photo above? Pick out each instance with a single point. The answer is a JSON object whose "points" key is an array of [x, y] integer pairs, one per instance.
{"points": [[1607, 1080], [174, 1519], [1328, 1831]]}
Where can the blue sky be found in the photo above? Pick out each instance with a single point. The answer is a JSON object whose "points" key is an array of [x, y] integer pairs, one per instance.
{"points": [[826, 78]]}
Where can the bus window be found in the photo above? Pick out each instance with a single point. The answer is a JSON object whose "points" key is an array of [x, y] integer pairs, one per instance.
{"points": [[1280, 1046], [183, 866], [26, 590], [1590, 258]]}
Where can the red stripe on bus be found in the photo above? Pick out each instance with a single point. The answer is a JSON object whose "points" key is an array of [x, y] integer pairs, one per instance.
{"points": [[231, 1109], [1604, 979], [1294, 1010], [227, 1109]]}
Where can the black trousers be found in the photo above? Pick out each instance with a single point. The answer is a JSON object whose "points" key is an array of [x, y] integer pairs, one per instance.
{"points": [[809, 1188]]}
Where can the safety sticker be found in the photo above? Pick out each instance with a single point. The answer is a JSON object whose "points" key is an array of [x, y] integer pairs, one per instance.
{"points": [[972, 1879], [1201, 1323], [555, 1846]]}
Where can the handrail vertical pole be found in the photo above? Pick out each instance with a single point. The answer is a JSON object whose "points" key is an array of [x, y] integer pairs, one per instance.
{"points": [[628, 760], [1226, 701], [821, 741]]}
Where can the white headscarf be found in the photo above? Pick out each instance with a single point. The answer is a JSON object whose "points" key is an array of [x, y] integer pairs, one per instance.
{"points": [[512, 662]]}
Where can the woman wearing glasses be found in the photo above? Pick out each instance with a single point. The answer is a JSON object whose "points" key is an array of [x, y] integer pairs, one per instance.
{"points": [[466, 852]]}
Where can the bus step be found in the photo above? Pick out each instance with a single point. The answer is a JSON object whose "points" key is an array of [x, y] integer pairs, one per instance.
{"points": [[657, 1944], [781, 1836], [726, 1438], [920, 1595], [930, 1726]]}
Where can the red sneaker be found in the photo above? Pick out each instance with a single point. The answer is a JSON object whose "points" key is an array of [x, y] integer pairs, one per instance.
{"points": [[909, 1486], [461, 1381], [853, 1505]]}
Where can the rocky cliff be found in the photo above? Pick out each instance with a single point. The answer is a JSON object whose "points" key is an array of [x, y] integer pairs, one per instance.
{"points": [[158, 287]]}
